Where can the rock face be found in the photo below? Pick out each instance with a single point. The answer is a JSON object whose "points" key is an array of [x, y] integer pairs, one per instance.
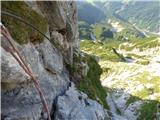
{"points": [[62, 19], [20, 100], [75, 105], [18, 92]]}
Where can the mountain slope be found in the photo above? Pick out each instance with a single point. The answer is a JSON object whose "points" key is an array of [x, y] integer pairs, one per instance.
{"points": [[89, 13], [113, 26], [134, 18], [128, 55], [132, 85], [144, 14]]}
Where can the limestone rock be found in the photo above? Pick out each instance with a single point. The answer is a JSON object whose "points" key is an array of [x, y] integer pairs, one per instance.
{"points": [[52, 58], [75, 105], [54, 13], [22, 101], [62, 18], [12, 74]]}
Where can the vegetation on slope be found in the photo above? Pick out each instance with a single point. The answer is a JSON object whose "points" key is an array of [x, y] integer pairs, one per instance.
{"points": [[86, 72], [148, 110], [91, 84], [122, 13], [84, 30], [140, 77], [104, 31]]}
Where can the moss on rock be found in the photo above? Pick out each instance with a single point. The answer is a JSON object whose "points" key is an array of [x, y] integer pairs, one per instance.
{"points": [[91, 84], [21, 32], [148, 110]]}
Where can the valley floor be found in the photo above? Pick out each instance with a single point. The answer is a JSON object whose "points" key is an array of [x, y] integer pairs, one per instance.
{"points": [[133, 87]]}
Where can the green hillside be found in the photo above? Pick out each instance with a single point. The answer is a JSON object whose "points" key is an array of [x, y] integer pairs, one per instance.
{"points": [[129, 56], [136, 78], [118, 19]]}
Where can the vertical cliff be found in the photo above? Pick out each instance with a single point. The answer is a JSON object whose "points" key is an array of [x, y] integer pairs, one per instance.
{"points": [[49, 60]]}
